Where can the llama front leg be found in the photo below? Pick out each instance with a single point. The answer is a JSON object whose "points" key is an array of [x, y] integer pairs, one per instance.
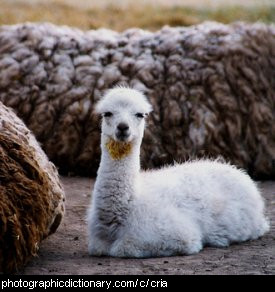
{"points": [[180, 238], [97, 247], [131, 248]]}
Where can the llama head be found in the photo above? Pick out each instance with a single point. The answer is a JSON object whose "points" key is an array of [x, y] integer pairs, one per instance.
{"points": [[123, 113]]}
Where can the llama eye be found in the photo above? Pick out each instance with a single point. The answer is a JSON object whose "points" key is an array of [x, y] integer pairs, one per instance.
{"points": [[107, 114], [139, 115]]}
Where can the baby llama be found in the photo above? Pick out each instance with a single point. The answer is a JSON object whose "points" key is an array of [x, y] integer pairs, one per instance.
{"points": [[175, 210]]}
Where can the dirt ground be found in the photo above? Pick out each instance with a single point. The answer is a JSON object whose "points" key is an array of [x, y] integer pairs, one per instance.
{"points": [[65, 252]]}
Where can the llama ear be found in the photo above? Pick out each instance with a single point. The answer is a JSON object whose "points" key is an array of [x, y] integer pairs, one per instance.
{"points": [[100, 107]]}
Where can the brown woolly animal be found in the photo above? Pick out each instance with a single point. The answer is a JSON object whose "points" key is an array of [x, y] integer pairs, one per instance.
{"points": [[31, 197], [212, 87]]}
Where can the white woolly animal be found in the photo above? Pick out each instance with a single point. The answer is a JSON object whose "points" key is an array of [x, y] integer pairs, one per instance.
{"points": [[172, 211]]}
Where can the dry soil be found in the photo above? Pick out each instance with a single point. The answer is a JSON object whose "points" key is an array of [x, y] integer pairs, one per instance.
{"points": [[65, 252]]}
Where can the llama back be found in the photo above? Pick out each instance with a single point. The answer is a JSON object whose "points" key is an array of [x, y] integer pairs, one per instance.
{"points": [[219, 194]]}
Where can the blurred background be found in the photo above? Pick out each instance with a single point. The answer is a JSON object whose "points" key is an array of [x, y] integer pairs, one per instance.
{"points": [[147, 14]]}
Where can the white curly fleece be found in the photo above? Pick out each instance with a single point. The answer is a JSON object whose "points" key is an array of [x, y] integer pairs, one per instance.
{"points": [[175, 210]]}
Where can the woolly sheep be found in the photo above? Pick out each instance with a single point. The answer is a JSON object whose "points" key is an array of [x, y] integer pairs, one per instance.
{"points": [[211, 86], [172, 211], [31, 197]]}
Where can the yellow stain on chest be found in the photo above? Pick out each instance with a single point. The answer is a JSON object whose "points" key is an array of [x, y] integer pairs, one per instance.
{"points": [[118, 150]]}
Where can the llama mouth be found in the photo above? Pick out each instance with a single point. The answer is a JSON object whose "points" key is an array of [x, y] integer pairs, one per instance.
{"points": [[122, 137]]}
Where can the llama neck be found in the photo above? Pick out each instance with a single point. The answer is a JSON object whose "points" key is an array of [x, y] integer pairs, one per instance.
{"points": [[115, 186], [121, 173]]}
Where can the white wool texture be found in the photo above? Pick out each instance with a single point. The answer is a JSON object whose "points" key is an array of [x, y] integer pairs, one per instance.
{"points": [[212, 88], [175, 210]]}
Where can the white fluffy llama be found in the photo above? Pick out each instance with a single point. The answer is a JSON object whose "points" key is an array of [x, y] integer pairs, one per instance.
{"points": [[172, 211]]}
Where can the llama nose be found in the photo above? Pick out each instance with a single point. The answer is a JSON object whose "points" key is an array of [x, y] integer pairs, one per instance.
{"points": [[122, 127]]}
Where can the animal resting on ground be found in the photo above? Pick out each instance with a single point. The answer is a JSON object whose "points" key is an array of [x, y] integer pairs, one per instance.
{"points": [[32, 200], [175, 210]]}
